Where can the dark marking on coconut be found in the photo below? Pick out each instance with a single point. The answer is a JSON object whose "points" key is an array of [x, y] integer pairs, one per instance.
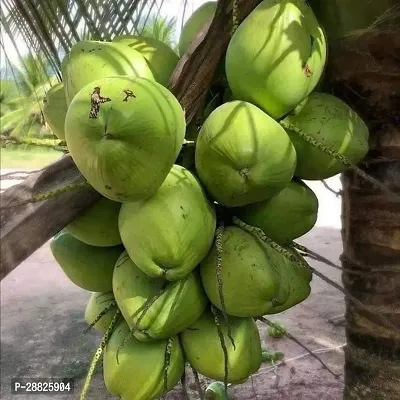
{"points": [[108, 187], [107, 136], [96, 99], [244, 173], [184, 215], [128, 93], [307, 71]]}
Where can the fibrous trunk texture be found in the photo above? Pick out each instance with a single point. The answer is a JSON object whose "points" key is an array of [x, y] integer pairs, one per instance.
{"points": [[365, 72]]}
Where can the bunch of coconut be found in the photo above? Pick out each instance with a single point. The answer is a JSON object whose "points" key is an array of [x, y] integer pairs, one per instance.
{"points": [[180, 262]]}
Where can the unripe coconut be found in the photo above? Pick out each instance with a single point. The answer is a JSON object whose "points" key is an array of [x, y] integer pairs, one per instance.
{"points": [[286, 216], [98, 224], [276, 56], [139, 372], [55, 109], [243, 155], [168, 234], [333, 123], [97, 303], [249, 275], [179, 306], [294, 283], [194, 23], [91, 60], [204, 353], [89, 267], [256, 279], [161, 58], [127, 146]]}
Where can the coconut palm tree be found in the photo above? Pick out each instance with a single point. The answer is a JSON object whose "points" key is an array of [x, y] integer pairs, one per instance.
{"points": [[21, 98], [364, 71], [161, 28]]}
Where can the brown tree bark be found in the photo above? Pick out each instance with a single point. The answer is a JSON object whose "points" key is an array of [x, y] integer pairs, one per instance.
{"points": [[364, 70]]}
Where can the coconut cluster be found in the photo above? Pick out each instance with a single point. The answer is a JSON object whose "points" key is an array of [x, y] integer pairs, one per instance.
{"points": [[189, 257]]}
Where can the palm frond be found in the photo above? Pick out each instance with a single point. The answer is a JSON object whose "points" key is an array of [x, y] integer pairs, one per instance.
{"points": [[53, 26]]}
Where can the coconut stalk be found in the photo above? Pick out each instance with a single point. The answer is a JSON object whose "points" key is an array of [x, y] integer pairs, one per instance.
{"points": [[26, 228], [364, 38]]}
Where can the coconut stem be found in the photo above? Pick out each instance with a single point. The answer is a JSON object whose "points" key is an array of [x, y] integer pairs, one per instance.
{"points": [[98, 354], [101, 315], [198, 384], [235, 19], [48, 195], [259, 233], [339, 157], [314, 256], [292, 338], [336, 193], [219, 248], [184, 388], [57, 144], [144, 308], [214, 310], [167, 362]]}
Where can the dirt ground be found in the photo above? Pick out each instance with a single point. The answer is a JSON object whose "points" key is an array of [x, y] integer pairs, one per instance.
{"points": [[42, 328]]}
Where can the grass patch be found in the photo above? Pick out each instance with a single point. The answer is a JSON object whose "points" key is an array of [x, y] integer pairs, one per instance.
{"points": [[27, 157]]}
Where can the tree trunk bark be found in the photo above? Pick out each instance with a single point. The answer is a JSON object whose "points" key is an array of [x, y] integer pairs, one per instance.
{"points": [[365, 72]]}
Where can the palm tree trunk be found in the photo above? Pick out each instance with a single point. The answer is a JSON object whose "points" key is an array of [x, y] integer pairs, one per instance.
{"points": [[365, 72], [371, 273]]}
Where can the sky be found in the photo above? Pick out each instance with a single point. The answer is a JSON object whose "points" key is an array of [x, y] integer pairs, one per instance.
{"points": [[171, 8]]}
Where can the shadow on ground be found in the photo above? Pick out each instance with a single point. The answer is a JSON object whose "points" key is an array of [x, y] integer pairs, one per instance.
{"points": [[42, 323]]}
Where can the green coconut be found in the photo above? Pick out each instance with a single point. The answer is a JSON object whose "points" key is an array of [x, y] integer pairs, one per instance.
{"points": [[89, 267], [161, 58], [333, 123], [90, 60], [178, 307], [55, 109], [276, 56], [97, 303], [168, 234], [256, 278], [128, 147], [98, 224], [288, 215], [294, 284], [243, 155], [204, 353], [193, 25], [139, 372]]}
